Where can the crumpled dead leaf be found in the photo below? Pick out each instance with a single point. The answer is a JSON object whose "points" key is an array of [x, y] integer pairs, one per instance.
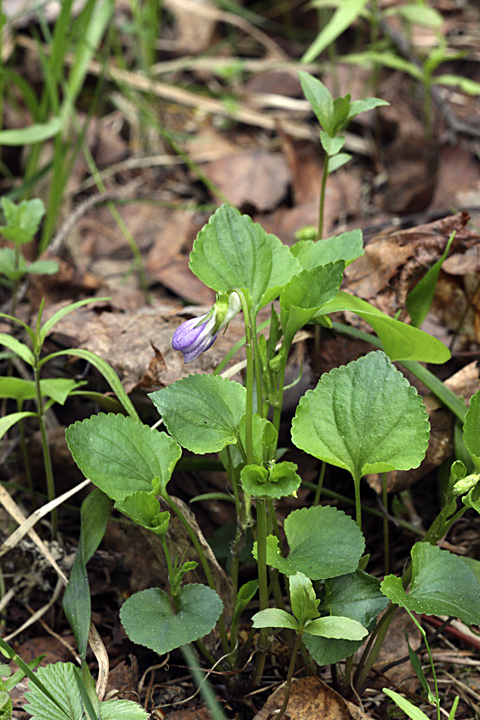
{"points": [[311, 699], [393, 263]]}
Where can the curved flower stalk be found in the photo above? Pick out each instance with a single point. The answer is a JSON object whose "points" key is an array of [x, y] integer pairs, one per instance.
{"points": [[195, 336]]}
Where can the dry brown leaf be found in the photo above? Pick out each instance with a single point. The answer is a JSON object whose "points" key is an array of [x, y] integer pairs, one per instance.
{"points": [[194, 30], [257, 178], [412, 164], [123, 678], [469, 262], [305, 167], [167, 260], [393, 263], [100, 236], [310, 698], [457, 306], [458, 171]]}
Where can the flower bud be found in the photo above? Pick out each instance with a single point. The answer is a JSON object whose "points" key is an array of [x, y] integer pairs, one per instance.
{"points": [[463, 486], [195, 336]]}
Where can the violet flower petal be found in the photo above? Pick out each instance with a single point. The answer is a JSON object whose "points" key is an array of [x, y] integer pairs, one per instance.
{"points": [[187, 333], [192, 338], [192, 353]]}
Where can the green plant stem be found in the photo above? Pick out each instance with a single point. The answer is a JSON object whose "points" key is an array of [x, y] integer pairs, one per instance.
{"points": [[321, 478], [235, 348], [373, 646], [47, 460], [321, 209], [386, 533], [372, 511], [205, 652], [273, 573], [276, 589], [168, 560], [16, 283], [347, 680], [258, 369], [288, 683], [249, 380], [438, 530], [262, 585], [358, 501], [434, 674], [204, 564]]}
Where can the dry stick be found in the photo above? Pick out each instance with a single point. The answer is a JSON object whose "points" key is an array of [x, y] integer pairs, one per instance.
{"points": [[28, 523], [16, 513], [212, 64], [181, 96]]}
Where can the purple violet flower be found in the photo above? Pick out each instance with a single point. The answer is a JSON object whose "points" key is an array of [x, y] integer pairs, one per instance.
{"points": [[195, 336]]}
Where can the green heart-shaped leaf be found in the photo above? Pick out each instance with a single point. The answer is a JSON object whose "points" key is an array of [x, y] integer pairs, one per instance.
{"points": [[149, 620], [122, 456], [323, 541], [442, 584], [347, 247], [326, 651], [202, 412], [364, 417], [356, 596], [233, 251]]}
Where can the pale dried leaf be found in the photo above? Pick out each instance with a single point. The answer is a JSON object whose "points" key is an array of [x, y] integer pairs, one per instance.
{"points": [[257, 178], [311, 698]]}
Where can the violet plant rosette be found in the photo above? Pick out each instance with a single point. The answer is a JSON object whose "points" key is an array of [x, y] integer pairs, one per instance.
{"points": [[195, 336]]}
